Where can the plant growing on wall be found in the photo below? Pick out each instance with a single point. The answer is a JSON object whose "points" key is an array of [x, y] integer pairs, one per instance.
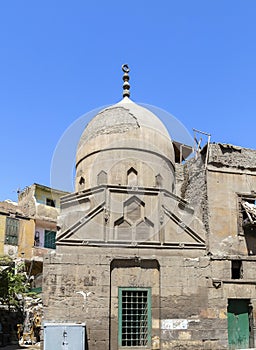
{"points": [[13, 283]]}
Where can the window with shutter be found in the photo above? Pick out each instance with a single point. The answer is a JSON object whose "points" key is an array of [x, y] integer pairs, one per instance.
{"points": [[49, 239], [12, 231]]}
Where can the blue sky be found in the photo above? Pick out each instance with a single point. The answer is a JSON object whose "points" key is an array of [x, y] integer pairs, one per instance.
{"points": [[60, 59]]}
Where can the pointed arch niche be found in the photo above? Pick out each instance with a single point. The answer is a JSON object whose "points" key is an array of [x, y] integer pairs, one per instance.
{"points": [[102, 178], [133, 225], [132, 177]]}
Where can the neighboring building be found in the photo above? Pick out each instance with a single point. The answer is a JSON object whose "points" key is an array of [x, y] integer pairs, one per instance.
{"points": [[28, 228], [16, 231], [27, 232], [42, 204], [153, 253]]}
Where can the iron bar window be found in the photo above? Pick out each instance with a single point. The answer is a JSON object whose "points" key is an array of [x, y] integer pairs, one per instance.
{"points": [[134, 317]]}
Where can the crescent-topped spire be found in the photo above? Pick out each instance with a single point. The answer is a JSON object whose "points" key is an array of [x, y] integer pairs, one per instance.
{"points": [[126, 78]]}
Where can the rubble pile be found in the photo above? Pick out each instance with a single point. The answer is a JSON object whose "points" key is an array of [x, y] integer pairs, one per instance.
{"points": [[29, 331], [250, 210]]}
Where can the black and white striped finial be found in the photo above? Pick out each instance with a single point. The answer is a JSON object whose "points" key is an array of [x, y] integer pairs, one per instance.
{"points": [[126, 78]]}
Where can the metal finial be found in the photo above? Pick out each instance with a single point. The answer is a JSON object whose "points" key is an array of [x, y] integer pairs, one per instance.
{"points": [[126, 85]]}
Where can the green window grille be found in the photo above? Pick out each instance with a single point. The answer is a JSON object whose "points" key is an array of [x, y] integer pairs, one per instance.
{"points": [[11, 231], [134, 312], [49, 239]]}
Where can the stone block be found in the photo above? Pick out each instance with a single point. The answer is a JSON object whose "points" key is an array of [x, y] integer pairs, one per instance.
{"points": [[98, 345]]}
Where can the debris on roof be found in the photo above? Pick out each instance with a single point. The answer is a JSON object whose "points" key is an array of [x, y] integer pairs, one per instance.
{"points": [[250, 210]]}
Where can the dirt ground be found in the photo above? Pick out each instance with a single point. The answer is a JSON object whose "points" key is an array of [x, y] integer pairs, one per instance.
{"points": [[17, 347]]}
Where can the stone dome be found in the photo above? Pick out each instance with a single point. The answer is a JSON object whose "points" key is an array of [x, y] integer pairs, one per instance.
{"points": [[122, 119], [124, 131]]}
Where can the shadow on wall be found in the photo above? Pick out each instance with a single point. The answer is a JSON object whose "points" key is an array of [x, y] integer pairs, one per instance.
{"points": [[250, 239]]}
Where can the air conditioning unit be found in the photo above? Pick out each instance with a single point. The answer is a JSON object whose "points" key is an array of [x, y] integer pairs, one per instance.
{"points": [[65, 336]]}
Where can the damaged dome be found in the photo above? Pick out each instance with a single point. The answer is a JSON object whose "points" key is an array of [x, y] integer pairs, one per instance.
{"points": [[123, 122], [123, 145]]}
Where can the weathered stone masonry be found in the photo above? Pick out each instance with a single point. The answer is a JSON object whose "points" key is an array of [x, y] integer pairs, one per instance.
{"points": [[138, 221]]}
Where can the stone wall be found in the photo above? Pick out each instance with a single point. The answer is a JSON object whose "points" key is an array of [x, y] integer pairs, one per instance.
{"points": [[183, 314], [190, 268]]}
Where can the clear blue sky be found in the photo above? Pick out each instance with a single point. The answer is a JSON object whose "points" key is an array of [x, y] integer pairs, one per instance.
{"points": [[60, 59]]}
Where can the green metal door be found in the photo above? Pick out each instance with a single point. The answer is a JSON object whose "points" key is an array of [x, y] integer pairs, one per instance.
{"points": [[238, 324]]}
